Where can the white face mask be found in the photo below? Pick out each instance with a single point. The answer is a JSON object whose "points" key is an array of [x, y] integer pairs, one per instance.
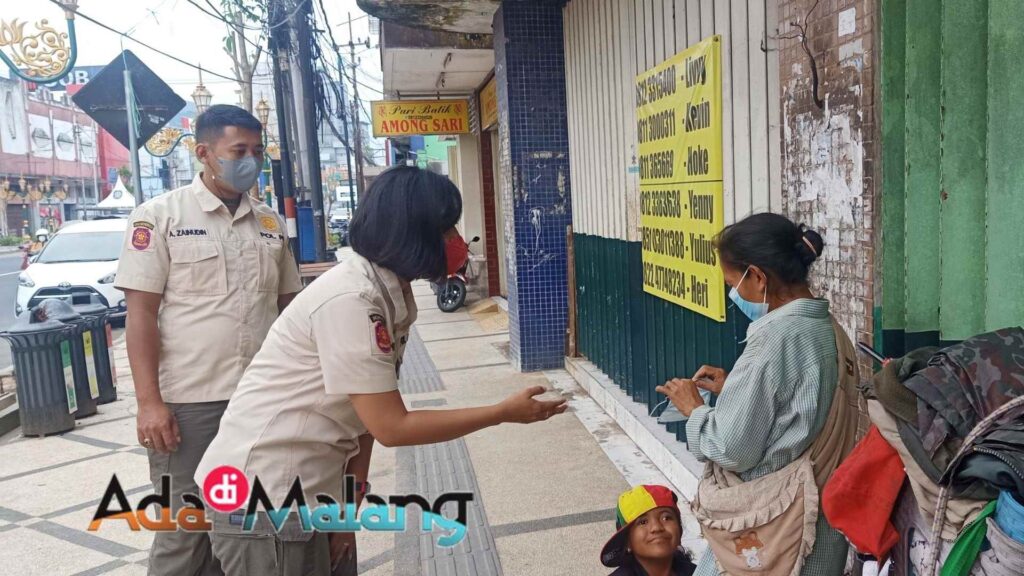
{"points": [[752, 310]]}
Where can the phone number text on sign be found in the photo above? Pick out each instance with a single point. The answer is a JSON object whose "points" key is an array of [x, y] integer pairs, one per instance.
{"points": [[679, 129]]}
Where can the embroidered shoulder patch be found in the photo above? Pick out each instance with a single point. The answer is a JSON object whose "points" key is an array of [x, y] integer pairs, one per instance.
{"points": [[380, 336], [269, 223], [143, 224], [141, 237]]}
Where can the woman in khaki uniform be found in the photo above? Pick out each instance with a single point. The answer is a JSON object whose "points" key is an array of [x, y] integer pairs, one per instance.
{"points": [[325, 383]]}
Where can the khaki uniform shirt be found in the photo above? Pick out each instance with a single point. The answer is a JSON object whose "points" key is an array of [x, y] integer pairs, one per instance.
{"points": [[220, 276], [291, 415]]}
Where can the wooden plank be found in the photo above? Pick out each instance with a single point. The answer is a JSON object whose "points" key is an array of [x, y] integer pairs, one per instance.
{"points": [[679, 24], [668, 9], [656, 29], [707, 19], [774, 104], [692, 22], [617, 146], [650, 53], [758, 87], [629, 63], [736, 112], [609, 103], [591, 84], [962, 165], [568, 35], [1005, 302]]}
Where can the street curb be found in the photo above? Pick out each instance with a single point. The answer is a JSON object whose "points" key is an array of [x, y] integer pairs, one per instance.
{"points": [[9, 249], [9, 417], [666, 452]]}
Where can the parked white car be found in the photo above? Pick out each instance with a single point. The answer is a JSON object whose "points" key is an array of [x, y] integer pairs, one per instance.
{"points": [[77, 265]]}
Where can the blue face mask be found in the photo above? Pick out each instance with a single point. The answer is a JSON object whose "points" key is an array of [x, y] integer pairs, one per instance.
{"points": [[752, 310]]}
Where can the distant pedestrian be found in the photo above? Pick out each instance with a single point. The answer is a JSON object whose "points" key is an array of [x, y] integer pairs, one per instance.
{"points": [[785, 416], [205, 271], [649, 531], [325, 384]]}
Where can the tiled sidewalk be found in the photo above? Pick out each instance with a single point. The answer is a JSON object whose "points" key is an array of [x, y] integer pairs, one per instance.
{"points": [[544, 493]]}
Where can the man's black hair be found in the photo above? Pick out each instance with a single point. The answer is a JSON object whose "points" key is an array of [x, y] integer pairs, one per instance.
{"points": [[210, 125], [400, 223]]}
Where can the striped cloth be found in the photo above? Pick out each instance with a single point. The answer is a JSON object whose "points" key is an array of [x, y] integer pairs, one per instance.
{"points": [[774, 403]]}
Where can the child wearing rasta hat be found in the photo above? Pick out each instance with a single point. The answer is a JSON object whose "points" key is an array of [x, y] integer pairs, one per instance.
{"points": [[648, 534]]}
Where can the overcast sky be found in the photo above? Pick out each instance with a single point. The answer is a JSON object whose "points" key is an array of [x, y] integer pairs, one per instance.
{"points": [[179, 28]]}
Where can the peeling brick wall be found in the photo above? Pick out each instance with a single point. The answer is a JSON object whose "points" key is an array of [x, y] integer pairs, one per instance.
{"points": [[828, 157]]}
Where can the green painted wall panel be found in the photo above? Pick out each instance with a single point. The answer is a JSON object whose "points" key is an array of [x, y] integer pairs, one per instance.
{"points": [[892, 308], [962, 230], [1005, 245], [952, 239], [922, 162], [636, 339]]}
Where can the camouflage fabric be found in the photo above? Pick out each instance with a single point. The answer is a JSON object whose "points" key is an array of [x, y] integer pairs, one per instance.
{"points": [[965, 382]]}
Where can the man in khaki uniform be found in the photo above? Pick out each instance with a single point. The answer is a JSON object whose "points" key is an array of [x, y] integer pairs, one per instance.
{"points": [[205, 271]]}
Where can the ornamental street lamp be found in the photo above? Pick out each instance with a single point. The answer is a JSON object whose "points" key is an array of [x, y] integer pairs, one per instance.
{"points": [[263, 112], [43, 57], [201, 96], [163, 143]]}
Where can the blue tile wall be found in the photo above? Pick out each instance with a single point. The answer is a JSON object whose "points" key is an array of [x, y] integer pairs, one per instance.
{"points": [[534, 155]]}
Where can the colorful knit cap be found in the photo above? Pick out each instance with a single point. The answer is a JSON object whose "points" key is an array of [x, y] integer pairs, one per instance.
{"points": [[633, 504]]}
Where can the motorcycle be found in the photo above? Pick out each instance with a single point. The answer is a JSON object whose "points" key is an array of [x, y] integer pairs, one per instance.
{"points": [[451, 292]]}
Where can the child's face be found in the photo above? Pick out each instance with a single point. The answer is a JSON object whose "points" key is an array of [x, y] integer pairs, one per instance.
{"points": [[656, 534]]}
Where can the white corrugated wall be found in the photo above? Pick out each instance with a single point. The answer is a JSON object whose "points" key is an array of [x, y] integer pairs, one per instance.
{"points": [[607, 42]]}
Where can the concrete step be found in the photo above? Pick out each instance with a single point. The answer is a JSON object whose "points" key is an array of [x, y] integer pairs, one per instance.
{"points": [[9, 417]]}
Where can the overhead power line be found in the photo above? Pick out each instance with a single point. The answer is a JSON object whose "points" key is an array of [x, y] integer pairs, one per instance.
{"points": [[234, 25], [143, 44]]}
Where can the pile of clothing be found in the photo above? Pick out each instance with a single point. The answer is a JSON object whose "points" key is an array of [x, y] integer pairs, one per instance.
{"points": [[953, 418]]}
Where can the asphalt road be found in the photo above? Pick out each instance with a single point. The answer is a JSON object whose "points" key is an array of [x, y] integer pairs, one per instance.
{"points": [[10, 267]]}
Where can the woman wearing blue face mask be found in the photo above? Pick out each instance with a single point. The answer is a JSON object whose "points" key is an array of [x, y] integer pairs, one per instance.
{"points": [[775, 403]]}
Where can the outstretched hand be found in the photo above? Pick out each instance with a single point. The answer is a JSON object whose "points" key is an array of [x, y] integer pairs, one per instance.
{"points": [[523, 408]]}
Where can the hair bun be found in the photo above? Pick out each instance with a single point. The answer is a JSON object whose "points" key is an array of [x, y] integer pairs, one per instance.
{"points": [[810, 245]]}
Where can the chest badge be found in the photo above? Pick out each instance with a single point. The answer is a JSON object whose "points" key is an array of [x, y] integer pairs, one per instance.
{"points": [[380, 335], [269, 223]]}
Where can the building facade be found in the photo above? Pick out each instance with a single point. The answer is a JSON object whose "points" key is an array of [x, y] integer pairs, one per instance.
{"points": [[884, 124]]}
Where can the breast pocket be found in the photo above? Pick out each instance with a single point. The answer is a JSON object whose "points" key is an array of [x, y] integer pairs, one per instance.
{"points": [[197, 269], [270, 267]]}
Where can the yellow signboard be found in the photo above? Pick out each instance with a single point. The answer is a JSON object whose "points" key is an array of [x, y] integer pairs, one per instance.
{"points": [[679, 127], [489, 105], [420, 117]]}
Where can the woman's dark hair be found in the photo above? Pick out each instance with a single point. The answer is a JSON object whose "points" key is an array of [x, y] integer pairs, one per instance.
{"points": [[781, 249], [400, 223]]}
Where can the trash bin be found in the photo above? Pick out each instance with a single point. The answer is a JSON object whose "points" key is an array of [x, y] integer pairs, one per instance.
{"points": [[86, 384], [96, 346], [47, 398]]}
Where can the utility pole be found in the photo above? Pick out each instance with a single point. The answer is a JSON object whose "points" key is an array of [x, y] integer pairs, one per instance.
{"points": [[95, 160], [133, 144], [355, 109], [279, 49], [304, 61], [348, 139]]}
